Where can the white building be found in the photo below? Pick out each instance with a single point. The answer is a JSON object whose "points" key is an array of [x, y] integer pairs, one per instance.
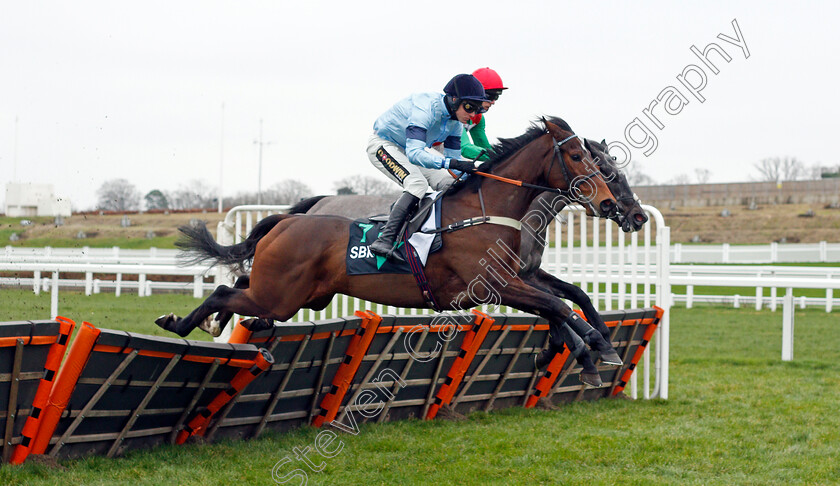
{"points": [[24, 199]]}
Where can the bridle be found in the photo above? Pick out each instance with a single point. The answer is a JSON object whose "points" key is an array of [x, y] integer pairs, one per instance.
{"points": [[573, 182], [505, 221]]}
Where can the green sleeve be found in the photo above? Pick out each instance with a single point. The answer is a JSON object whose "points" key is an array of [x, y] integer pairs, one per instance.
{"points": [[474, 141]]}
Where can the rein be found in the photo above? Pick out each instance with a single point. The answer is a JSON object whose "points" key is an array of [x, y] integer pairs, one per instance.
{"points": [[510, 222], [573, 183]]}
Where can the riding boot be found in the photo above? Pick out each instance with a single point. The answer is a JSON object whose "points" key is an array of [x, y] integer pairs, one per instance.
{"points": [[402, 210]]}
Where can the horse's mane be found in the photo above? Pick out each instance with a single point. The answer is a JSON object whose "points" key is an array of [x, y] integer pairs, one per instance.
{"points": [[305, 205], [506, 147]]}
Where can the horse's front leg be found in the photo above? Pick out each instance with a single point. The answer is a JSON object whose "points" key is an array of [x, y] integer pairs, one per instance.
{"points": [[565, 290], [520, 295]]}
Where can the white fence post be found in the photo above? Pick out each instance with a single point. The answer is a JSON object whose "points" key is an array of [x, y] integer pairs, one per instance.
{"points": [[787, 326], [596, 247], [689, 295], [54, 296], [622, 288], [88, 283], [663, 300], [608, 288]]}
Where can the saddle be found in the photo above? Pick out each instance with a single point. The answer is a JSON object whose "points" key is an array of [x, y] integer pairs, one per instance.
{"points": [[419, 219], [359, 259]]}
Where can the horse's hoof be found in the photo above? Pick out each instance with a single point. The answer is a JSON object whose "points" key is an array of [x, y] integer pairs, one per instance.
{"points": [[167, 321], [610, 357], [255, 325], [545, 404], [448, 413], [211, 327], [591, 379]]}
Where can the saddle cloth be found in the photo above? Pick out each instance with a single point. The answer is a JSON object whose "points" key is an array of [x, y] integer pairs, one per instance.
{"points": [[361, 261]]}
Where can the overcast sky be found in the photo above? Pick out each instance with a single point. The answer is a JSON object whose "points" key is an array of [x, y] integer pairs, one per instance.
{"points": [[103, 90]]}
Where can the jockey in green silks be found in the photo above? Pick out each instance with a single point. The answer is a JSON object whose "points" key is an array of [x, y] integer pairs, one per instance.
{"points": [[474, 138]]}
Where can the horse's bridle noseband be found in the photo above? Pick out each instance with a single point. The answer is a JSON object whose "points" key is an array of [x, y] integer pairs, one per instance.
{"points": [[573, 182], [569, 193]]}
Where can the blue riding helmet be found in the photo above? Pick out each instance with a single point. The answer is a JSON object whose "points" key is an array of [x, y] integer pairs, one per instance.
{"points": [[465, 87]]}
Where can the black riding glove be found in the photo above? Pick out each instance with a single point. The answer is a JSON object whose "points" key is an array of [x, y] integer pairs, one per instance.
{"points": [[467, 166]]}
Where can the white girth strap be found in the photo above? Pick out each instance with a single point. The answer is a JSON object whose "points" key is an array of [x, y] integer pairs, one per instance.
{"points": [[503, 221]]}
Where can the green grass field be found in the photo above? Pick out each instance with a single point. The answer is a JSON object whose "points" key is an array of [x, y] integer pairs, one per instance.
{"points": [[737, 415]]}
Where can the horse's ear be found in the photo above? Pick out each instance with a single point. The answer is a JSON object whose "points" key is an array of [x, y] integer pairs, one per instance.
{"points": [[548, 124], [603, 141]]}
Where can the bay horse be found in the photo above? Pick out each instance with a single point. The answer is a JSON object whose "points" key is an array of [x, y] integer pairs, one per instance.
{"points": [[630, 217], [299, 260]]}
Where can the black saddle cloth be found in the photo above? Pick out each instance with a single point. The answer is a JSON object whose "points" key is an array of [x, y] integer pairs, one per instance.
{"points": [[361, 261]]}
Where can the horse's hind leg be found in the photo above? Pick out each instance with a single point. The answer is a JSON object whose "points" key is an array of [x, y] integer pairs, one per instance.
{"points": [[218, 323], [224, 298]]}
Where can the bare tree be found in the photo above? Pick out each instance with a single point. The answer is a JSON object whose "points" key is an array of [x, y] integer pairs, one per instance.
{"points": [[702, 175], [287, 192], [367, 185], [242, 198], [195, 194], [777, 169], [635, 176], [117, 195], [680, 180]]}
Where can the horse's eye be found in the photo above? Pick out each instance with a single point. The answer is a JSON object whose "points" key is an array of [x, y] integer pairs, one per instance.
{"points": [[576, 157]]}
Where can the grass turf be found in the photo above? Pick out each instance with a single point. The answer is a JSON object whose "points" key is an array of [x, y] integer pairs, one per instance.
{"points": [[737, 415]]}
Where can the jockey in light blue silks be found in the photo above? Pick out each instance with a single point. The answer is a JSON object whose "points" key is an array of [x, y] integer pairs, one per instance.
{"points": [[401, 136]]}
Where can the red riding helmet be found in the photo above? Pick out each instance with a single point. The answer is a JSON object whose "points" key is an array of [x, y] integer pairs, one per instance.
{"points": [[489, 79]]}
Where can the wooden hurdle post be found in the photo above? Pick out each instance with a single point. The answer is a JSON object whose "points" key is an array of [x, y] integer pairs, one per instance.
{"points": [[356, 351], [469, 347]]}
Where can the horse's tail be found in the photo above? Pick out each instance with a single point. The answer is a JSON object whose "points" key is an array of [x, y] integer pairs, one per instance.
{"points": [[198, 245], [305, 205]]}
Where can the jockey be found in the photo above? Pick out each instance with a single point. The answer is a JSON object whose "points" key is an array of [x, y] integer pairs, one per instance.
{"points": [[473, 139], [401, 136]]}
